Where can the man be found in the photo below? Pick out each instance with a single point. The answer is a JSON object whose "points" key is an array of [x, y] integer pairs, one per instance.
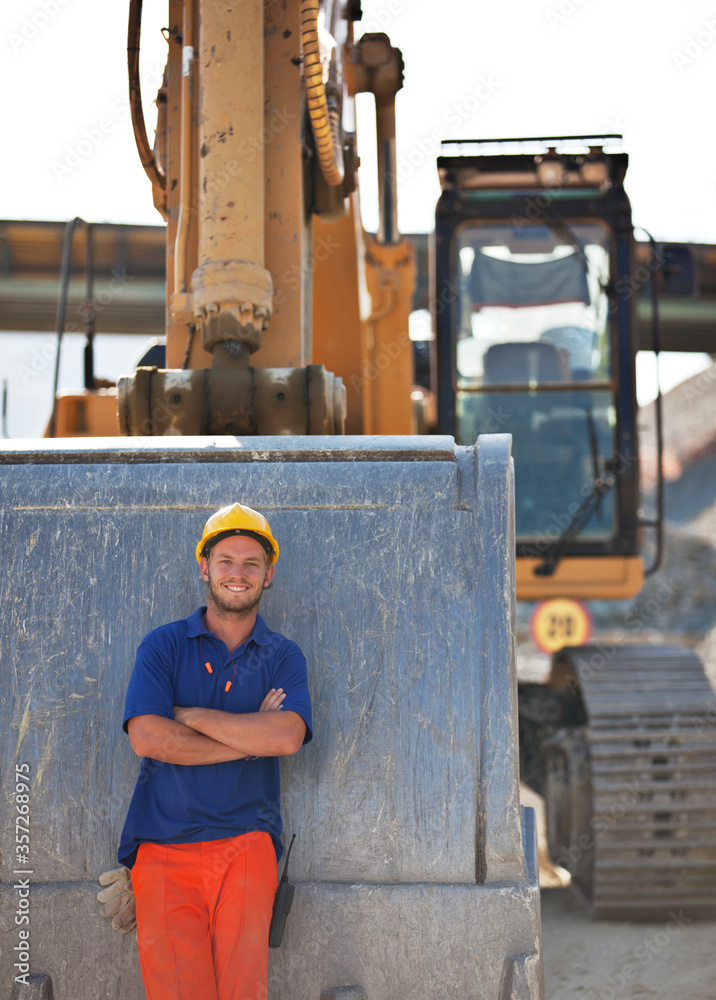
{"points": [[213, 702]]}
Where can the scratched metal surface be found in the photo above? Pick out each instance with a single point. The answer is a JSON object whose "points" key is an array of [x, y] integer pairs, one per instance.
{"points": [[395, 579]]}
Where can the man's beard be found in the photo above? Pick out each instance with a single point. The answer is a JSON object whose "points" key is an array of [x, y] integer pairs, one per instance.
{"points": [[227, 609]]}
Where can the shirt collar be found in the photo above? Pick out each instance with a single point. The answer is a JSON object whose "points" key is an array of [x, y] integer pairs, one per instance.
{"points": [[195, 623], [261, 634]]}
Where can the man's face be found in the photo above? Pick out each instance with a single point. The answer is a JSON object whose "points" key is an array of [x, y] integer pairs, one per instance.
{"points": [[237, 574]]}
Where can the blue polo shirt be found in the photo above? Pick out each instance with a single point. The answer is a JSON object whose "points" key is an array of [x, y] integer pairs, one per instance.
{"points": [[184, 804]]}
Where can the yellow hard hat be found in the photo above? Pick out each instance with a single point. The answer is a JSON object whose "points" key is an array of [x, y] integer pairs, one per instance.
{"points": [[239, 520]]}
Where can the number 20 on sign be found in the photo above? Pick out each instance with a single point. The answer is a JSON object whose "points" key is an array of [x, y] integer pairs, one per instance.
{"points": [[560, 622]]}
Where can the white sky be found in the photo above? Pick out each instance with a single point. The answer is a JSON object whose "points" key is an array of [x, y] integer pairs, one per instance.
{"points": [[641, 67], [473, 68]]}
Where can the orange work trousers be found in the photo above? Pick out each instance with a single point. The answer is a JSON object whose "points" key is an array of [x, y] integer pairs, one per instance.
{"points": [[203, 915]]}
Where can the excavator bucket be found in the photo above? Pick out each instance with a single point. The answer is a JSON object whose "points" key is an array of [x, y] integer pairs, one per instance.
{"points": [[414, 866]]}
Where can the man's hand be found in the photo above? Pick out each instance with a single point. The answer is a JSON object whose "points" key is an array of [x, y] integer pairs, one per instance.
{"points": [[118, 899], [272, 701]]}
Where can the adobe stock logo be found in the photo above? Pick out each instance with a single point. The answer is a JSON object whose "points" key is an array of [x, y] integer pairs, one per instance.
{"points": [[461, 111], [696, 45], [33, 24]]}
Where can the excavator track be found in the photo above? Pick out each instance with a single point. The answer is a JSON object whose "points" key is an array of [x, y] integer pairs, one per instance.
{"points": [[632, 792]]}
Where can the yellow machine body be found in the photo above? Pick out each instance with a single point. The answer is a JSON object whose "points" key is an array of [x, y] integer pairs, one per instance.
{"points": [[582, 577]]}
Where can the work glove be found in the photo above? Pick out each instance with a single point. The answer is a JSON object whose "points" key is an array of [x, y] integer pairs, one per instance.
{"points": [[118, 899]]}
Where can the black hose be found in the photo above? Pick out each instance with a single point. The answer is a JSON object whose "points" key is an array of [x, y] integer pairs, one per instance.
{"points": [[189, 345], [656, 346], [62, 312], [89, 311], [594, 448], [146, 154], [4, 408], [90, 315]]}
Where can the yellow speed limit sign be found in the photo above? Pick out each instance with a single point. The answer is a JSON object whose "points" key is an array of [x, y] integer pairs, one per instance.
{"points": [[560, 622]]}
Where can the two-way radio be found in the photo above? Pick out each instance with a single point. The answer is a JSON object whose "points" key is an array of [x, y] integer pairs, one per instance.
{"points": [[281, 904]]}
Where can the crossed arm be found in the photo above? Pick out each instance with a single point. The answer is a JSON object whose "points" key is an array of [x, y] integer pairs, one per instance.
{"points": [[210, 736]]}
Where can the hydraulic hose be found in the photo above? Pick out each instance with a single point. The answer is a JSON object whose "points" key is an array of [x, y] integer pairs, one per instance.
{"points": [[656, 345], [324, 112], [89, 312], [4, 409], [146, 155], [181, 242], [62, 306]]}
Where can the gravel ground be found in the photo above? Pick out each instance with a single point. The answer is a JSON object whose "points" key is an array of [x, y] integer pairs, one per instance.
{"points": [[592, 960], [595, 960]]}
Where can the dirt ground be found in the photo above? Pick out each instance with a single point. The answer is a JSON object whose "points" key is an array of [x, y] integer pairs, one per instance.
{"points": [[596, 960]]}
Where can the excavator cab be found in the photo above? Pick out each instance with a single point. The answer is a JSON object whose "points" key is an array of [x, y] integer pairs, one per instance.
{"points": [[534, 339], [536, 336]]}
